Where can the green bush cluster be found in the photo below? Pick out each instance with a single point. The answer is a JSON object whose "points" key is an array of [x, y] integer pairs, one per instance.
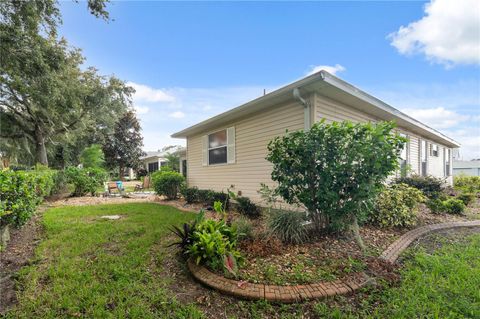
{"points": [[288, 226], [212, 241], [85, 180], [205, 196], [466, 198], [246, 207], [431, 187], [469, 184], [22, 191], [168, 183], [396, 206], [449, 206]]}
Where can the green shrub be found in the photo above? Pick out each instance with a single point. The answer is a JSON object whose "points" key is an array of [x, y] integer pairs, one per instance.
{"points": [[205, 196], [244, 228], [85, 180], [449, 206], [219, 197], [21, 192], [190, 194], [288, 226], [454, 206], [469, 184], [431, 186], [436, 206], [396, 206], [212, 241], [168, 183], [466, 198], [247, 207]]}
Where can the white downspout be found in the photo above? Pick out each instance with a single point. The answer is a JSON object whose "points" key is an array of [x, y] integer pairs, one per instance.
{"points": [[306, 109]]}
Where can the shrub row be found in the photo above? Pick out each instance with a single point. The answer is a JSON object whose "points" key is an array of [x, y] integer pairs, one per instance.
{"points": [[449, 206], [431, 186], [205, 196], [22, 191]]}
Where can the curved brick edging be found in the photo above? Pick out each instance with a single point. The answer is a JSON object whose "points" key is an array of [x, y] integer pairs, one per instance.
{"points": [[296, 293], [392, 253]]}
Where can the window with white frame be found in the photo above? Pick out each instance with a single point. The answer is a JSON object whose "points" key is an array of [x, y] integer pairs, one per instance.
{"points": [[404, 157], [434, 150], [448, 155], [423, 157], [219, 147]]}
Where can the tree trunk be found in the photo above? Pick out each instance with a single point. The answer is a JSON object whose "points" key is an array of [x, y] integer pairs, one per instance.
{"points": [[356, 234], [40, 149]]}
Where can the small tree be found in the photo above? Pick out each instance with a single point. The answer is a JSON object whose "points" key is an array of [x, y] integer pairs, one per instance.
{"points": [[334, 170], [173, 161], [124, 147], [92, 156]]}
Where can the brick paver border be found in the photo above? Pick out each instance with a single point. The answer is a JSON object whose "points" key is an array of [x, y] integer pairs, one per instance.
{"points": [[297, 293]]}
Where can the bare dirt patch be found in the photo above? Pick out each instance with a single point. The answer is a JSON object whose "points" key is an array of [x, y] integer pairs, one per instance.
{"points": [[18, 253]]}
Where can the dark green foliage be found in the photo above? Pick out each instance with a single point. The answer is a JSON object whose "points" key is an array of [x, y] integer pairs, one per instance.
{"points": [[190, 194], [21, 192], [466, 198], [449, 206], [205, 196], [85, 180], [185, 234], [212, 241], [431, 186], [396, 206], [247, 207], [334, 169], [168, 183], [288, 226], [454, 206], [222, 197]]}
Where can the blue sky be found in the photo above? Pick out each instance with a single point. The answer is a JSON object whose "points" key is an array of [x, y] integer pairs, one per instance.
{"points": [[191, 60]]}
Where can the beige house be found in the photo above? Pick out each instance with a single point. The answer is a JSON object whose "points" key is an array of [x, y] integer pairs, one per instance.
{"points": [[230, 148]]}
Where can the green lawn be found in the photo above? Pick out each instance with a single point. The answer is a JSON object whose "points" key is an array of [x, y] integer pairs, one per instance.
{"points": [[92, 268], [88, 267]]}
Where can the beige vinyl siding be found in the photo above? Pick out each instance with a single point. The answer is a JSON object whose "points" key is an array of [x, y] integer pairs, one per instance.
{"points": [[252, 135], [331, 110]]}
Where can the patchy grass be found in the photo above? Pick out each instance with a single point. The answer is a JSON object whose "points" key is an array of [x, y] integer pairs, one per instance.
{"points": [[94, 268]]}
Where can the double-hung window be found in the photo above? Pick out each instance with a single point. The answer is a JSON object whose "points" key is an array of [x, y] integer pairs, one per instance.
{"points": [[219, 147], [434, 150]]}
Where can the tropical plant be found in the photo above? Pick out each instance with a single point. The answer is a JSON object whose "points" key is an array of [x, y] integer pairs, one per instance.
{"points": [[396, 206], [212, 240], [185, 234], [168, 183], [288, 226], [334, 170]]}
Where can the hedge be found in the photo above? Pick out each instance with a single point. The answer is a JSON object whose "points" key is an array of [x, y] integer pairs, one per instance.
{"points": [[22, 191]]}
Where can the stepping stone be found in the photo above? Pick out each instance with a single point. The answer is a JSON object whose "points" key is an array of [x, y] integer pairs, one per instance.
{"points": [[111, 217]]}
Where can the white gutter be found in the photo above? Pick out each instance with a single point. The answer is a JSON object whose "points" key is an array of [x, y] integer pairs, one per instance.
{"points": [[307, 117]]}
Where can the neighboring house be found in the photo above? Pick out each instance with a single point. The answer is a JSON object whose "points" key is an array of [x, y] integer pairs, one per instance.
{"points": [[468, 168], [153, 161], [230, 148]]}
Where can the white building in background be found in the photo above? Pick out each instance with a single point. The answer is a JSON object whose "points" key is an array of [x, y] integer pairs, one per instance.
{"points": [[468, 168]]}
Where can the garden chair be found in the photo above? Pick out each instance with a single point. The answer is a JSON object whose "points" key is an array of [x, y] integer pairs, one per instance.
{"points": [[145, 184]]}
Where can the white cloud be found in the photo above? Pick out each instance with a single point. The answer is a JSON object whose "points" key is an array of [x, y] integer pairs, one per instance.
{"points": [[141, 109], [449, 33], [439, 118], [329, 68], [145, 93], [177, 115]]}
